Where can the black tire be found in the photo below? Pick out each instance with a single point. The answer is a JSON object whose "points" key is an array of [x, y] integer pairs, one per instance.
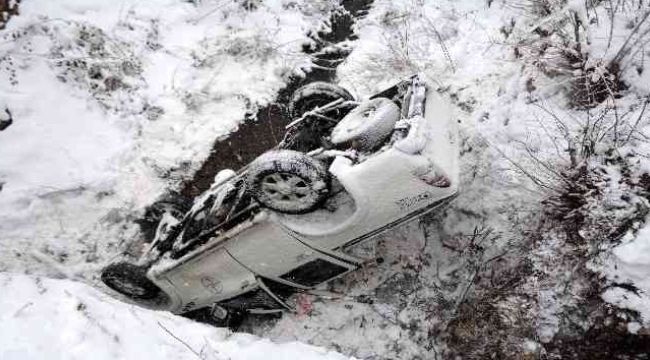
{"points": [[368, 125], [288, 181], [130, 280], [314, 95]]}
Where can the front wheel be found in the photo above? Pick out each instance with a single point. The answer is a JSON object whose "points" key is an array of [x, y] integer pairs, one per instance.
{"points": [[288, 181], [130, 280]]}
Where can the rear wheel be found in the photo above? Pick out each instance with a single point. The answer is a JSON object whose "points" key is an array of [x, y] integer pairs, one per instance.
{"points": [[311, 132], [130, 280], [315, 95], [288, 181]]}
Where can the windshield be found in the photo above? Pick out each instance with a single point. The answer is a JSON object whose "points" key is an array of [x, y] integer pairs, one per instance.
{"points": [[216, 211]]}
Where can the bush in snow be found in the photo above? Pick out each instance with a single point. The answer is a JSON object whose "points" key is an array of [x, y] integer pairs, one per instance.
{"points": [[90, 59], [561, 43], [84, 56]]}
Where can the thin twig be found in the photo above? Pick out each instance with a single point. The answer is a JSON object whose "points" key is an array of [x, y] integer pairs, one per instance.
{"points": [[179, 340], [638, 120], [542, 163], [623, 50], [536, 180]]}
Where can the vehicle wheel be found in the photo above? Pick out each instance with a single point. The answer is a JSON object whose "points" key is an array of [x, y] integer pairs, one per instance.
{"points": [[288, 181], [130, 280], [367, 126], [314, 95]]}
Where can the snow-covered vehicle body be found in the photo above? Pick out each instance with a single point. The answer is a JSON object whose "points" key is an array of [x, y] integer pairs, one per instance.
{"points": [[240, 248]]}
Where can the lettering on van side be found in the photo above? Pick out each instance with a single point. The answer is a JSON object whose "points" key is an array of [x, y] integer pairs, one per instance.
{"points": [[212, 285], [411, 202]]}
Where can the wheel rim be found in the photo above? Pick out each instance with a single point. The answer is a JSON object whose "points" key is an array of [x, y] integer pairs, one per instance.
{"points": [[287, 189], [124, 286]]}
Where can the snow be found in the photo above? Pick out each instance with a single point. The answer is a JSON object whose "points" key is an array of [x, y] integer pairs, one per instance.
{"points": [[630, 264], [84, 156], [60, 319], [113, 103], [633, 327], [509, 141]]}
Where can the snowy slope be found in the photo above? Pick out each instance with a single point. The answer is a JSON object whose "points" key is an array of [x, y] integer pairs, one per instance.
{"points": [[114, 102], [496, 272], [546, 222], [59, 319], [630, 264], [397, 39]]}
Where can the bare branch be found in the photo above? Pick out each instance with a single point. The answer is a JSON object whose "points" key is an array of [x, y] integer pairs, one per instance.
{"points": [[179, 340]]}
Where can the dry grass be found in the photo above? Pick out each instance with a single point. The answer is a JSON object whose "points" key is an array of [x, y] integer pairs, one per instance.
{"points": [[556, 37]]}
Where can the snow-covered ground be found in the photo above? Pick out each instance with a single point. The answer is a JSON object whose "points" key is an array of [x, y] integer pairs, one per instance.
{"points": [[61, 319], [114, 102], [498, 272], [630, 264]]}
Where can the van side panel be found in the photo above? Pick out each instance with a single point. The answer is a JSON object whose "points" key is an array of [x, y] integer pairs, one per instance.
{"points": [[205, 279], [269, 251]]}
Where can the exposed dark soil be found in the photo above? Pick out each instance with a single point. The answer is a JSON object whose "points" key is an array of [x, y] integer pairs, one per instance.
{"points": [[253, 137], [265, 129], [606, 338]]}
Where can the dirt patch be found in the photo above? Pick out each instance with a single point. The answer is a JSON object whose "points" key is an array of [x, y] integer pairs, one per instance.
{"points": [[265, 129], [253, 137], [607, 337]]}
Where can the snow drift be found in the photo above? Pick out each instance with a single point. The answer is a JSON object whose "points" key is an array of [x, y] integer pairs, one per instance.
{"points": [[60, 319]]}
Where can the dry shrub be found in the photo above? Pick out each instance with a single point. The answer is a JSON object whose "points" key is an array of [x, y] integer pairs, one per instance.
{"points": [[484, 311], [556, 39]]}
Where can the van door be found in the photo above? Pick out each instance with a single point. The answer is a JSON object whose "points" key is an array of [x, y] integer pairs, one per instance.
{"points": [[269, 251]]}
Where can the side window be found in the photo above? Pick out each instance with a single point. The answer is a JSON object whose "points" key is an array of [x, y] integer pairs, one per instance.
{"points": [[314, 272]]}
